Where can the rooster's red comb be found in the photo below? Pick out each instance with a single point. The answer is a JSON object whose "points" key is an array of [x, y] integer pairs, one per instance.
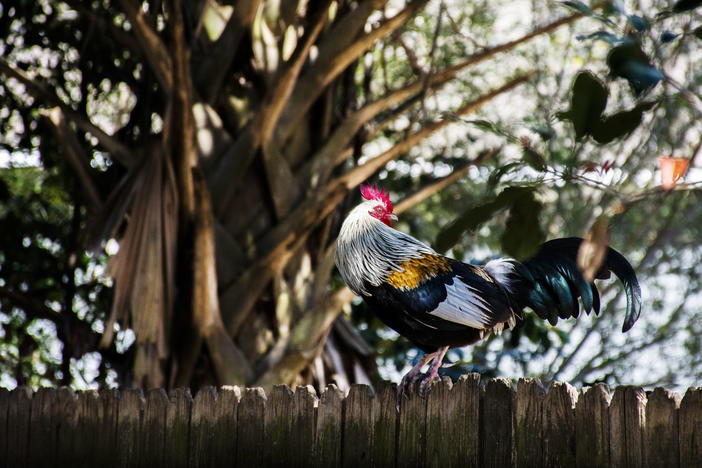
{"points": [[371, 192]]}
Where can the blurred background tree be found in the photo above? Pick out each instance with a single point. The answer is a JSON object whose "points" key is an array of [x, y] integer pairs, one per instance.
{"points": [[174, 175]]}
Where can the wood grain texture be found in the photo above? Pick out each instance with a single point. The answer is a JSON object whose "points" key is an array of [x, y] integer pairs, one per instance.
{"points": [[454, 424], [559, 425], [328, 438], [592, 427], [691, 428], [661, 433], [497, 406], [528, 423], [356, 447]]}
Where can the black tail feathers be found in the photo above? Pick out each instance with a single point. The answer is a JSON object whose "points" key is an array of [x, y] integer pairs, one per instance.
{"points": [[551, 282]]}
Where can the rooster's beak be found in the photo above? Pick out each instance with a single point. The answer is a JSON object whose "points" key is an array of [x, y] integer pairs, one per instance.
{"points": [[392, 216]]}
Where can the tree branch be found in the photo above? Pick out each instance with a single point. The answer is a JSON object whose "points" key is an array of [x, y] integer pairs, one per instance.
{"points": [[213, 70], [76, 157], [154, 49], [443, 182], [335, 55], [37, 90]]}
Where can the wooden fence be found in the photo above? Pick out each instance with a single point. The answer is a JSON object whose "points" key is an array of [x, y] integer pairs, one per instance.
{"points": [[456, 424]]}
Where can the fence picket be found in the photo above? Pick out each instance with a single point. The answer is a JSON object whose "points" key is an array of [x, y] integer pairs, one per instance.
{"points": [[152, 429], [357, 434], [131, 412], [592, 427], [661, 432], [177, 430], [691, 428], [528, 423], [42, 440], [18, 420], [559, 425], [327, 450], [454, 424], [223, 429], [66, 422], [250, 428], [497, 402]]}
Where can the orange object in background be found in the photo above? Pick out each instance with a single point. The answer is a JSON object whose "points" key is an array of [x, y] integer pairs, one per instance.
{"points": [[672, 169]]}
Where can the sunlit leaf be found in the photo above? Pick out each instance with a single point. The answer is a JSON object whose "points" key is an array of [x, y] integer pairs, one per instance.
{"points": [[672, 170], [579, 6]]}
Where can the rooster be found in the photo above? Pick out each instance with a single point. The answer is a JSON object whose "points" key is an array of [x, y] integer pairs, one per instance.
{"points": [[440, 303]]}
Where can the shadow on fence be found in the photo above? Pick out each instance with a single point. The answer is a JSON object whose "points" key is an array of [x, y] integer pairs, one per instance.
{"points": [[456, 424]]}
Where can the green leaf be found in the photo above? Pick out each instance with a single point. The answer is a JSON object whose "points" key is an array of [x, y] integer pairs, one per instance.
{"points": [[579, 6], [620, 124], [523, 234], [638, 22], [587, 103], [476, 216], [668, 36], [686, 5], [606, 36], [628, 61], [533, 158], [501, 171]]}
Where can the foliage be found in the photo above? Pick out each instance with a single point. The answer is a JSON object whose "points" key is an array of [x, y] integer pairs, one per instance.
{"points": [[180, 128]]}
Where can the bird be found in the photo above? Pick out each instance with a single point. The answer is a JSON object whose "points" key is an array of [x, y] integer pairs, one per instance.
{"points": [[439, 303]]}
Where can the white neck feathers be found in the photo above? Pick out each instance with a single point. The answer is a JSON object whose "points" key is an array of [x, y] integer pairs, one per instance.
{"points": [[367, 250]]}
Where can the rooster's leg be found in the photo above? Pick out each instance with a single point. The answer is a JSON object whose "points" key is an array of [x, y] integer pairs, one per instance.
{"points": [[413, 375], [434, 369]]}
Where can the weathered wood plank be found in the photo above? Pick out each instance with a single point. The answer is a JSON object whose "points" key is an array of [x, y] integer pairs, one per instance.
{"points": [[178, 427], [452, 423], [223, 431], [279, 447], [106, 441], [87, 428], [559, 425], [42, 439], [627, 418], [302, 427], [202, 419], [153, 433], [528, 423], [468, 388], [443, 430], [4, 407], [691, 428], [18, 420], [496, 423], [592, 427], [384, 425], [357, 436], [411, 442], [66, 416], [661, 432], [250, 429], [328, 441], [131, 413]]}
